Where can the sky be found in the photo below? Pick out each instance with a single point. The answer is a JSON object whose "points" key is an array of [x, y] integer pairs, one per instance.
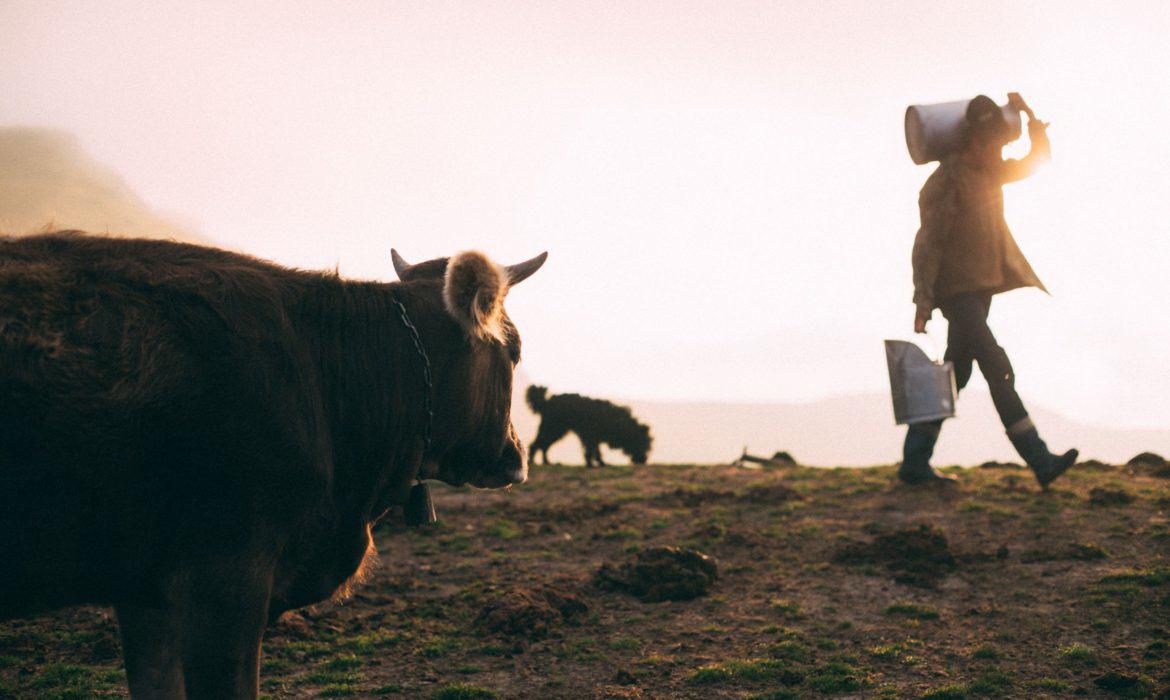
{"points": [[723, 187]]}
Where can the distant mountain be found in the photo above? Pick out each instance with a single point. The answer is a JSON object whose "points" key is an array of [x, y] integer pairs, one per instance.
{"points": [[844, 431], [48, 181]]}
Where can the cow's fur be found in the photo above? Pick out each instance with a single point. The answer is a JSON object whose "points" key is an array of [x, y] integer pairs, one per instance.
{"points": [[595, 421], [202, 439]]}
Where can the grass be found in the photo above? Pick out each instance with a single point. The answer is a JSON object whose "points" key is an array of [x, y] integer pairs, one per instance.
{"points": [[789, 649], [1159, 576], [746, 670], [954, 691], [784, 621], [893, 652], [437, 647], [503, 529], [987, 652], [1076, 655], [463, 691], [787, 609], [835, 677], [912, 611]]}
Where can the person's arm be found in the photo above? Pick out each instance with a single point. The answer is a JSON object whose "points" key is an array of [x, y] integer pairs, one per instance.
{"points": [[1040, 151], [936, 206]]}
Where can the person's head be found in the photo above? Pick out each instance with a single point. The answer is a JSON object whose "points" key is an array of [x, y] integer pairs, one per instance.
{"points": [[987, 129]]}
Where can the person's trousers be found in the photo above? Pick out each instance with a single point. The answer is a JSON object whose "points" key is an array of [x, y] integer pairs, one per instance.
{"points": [[970, 340]]}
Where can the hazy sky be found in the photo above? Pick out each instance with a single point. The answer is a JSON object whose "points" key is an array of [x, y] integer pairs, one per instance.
{"points": [[723, 187]]}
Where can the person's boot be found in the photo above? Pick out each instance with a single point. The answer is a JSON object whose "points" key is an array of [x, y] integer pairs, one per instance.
{"points": [[1044, 464], [916, 453]]}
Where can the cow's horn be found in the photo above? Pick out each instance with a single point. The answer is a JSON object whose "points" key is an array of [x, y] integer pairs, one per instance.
{"points": [[521, 271], [401, 267]]}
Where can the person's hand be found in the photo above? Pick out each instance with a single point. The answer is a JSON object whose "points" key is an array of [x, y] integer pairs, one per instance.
{"points": [[1016, 101], [920, 319]]}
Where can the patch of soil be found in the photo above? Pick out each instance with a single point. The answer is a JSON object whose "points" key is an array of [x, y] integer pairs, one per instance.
{"points": [[919, 556], [1001, 465], [661, 573], [692, 498], [1073, 552], [1094, 465], [771, 493], [1101, 496], [568, 513], [529, 613]]}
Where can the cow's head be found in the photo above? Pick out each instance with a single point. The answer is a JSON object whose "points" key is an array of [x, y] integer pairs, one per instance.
{"points": [[473, 360]]}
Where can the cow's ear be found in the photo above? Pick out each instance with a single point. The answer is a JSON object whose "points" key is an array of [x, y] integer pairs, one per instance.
{"points": [[473, 290]]}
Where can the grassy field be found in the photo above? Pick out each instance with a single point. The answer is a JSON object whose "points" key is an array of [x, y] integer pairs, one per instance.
{"points": [[831, 583]]}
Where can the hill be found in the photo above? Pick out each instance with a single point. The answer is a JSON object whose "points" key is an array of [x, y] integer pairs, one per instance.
{"points": [[47, 180], [848, 430]]}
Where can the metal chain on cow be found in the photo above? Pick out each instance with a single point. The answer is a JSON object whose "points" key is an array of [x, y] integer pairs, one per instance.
{"points": [[419, 508]]}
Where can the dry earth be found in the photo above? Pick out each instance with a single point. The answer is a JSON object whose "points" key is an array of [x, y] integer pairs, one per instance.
{"points": [[830, 583]]}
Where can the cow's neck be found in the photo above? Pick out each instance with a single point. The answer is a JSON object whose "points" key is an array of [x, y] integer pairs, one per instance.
{"points": [[372, 388]]}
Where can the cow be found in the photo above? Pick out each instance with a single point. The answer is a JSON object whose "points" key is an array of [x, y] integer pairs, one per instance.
{"points": [[202, 439]]}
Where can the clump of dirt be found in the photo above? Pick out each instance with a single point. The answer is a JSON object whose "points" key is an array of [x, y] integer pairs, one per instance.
{"points": [[1125, 685], [531, 613], [919, 556], [661, 573], [1101, 496], [1149, 464], [771, 493]]}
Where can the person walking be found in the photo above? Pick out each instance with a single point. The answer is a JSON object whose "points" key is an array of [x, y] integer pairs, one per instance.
{"points": [[964, 254]]}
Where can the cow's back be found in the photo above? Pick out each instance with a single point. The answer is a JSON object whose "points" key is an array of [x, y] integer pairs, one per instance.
{"points": [[130, 376]]}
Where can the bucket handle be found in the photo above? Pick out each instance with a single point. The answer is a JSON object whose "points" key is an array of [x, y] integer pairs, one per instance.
{"points": [[931, 346]]}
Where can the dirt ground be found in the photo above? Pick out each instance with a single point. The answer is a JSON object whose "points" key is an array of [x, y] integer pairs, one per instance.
{"points": [[829, 583]]}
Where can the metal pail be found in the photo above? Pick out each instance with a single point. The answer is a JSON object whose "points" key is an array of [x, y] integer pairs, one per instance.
{"points": [[935, 131], [922, 389]]}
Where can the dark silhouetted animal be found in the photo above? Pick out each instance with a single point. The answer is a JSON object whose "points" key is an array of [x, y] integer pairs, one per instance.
{"points": [[595, 421], [202, 439]]}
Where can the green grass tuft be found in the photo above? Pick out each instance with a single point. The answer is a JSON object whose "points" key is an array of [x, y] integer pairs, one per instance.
{"points": [[463, 691], [912, 611]]}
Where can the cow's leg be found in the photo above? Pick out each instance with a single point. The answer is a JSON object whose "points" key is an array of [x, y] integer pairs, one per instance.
{"points": [[152, 650], [222, 631]]}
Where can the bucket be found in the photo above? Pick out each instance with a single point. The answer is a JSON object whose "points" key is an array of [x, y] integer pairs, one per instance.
{"points": [[922, 389], [935, 131]]}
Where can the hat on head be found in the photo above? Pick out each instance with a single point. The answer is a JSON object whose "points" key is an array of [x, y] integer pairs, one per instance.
{"points": [[984, 116]]}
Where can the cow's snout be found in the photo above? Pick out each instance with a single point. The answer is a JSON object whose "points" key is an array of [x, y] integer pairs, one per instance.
{"points": [[510, 467], [515, 463]]}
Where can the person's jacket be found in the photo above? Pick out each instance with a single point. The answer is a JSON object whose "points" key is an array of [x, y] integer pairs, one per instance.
{"points": [[964, 244]]}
